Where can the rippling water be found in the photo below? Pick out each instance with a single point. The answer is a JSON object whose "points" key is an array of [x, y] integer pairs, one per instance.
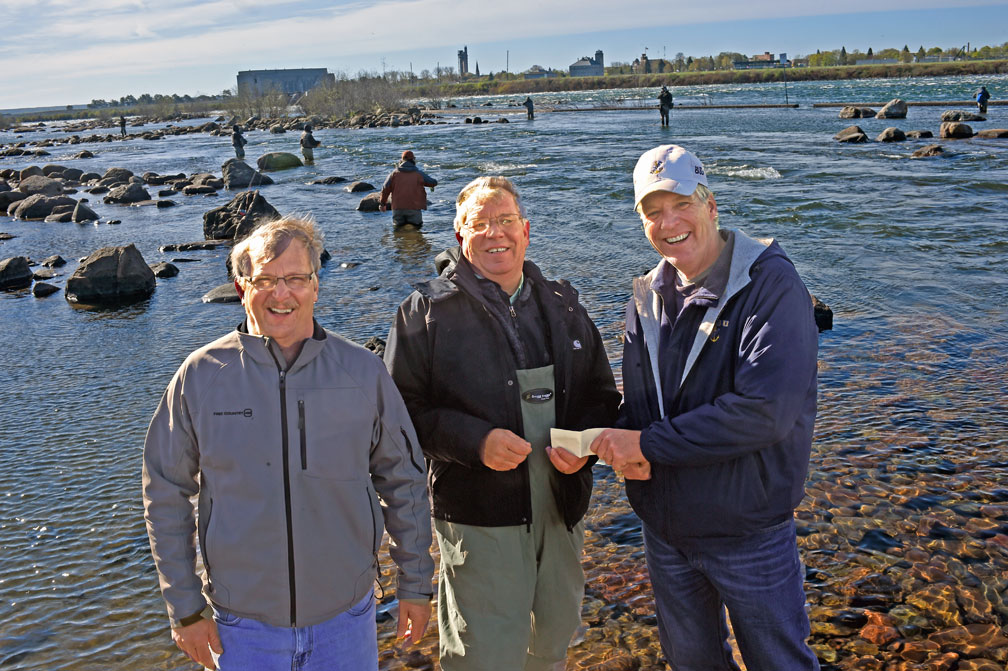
{"points": [[907, 491]]}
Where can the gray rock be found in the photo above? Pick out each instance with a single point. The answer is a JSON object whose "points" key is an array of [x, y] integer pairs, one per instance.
{"points": [[359, 187], [36, 184], [207, 179], [29, 171], [162, 204], [919, 134], [994, 133], [83, 154], [164, 193], [51, 169], [118, 174], [198, 190], [851, 112], [164, 269], [961, 115], [111, 275], [9, 197], [43, 289], [369, 203], [823, 314], [278, 160], [329, 180], [955, 130], [15, 273], [277, 129], [127, 194], [38, 207], [72, 174], [894, 109], [891, 134], [44, 274], [225, 293], [851, 134], [189, 246], [240, 175], [82, 212], [236, 219], [54, 261], [928, 151]]}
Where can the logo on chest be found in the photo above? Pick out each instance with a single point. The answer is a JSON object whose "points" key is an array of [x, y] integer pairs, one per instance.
{"points": [[537, 395]]}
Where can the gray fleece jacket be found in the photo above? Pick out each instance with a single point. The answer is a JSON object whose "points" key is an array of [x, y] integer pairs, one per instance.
{"points": [[295, 471]]}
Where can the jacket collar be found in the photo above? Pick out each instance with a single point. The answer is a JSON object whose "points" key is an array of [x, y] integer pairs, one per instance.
{"points": [[262, 348]]}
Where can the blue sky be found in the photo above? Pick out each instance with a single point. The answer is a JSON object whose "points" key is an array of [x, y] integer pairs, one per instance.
{"points": [[58, 52]]}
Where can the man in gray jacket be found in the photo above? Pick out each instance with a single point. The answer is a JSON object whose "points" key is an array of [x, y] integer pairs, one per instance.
{"points": [[299, 447]]}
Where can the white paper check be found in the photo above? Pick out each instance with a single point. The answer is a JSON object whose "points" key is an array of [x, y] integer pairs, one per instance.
{"points": [[575, 442]]}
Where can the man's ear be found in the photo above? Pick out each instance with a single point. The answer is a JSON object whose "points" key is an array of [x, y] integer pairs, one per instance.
{"points": [[239, 289]]}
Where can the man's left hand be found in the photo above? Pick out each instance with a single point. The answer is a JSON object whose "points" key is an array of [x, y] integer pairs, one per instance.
{"points": [[619, 448], [412, 618], [564, 461]]}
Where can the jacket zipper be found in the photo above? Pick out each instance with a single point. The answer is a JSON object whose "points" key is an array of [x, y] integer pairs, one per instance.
{"points": [[286, 478], [304, 438], [528, 476]]}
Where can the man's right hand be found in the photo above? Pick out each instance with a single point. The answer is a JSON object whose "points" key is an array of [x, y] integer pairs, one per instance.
{"points": [[197, 640], [502, 450]]}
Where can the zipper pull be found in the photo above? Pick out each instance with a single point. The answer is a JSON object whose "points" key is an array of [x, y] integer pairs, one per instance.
{"points": [[514, 314]]}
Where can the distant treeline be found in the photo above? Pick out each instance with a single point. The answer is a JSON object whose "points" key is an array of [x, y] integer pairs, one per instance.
{"points": [[882, 71]]}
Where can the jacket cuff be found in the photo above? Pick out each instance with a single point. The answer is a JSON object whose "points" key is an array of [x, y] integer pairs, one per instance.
{"points": [[205, 613]]}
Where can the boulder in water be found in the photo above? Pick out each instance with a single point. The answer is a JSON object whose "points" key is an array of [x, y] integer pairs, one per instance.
{"points": [[961, 115], [225, 293], [15, 273], [83, 213], [851, 112], [164, 269], [891, 134], [111, 276], [359, 187], [240, 175], [369, 203], [127, 194], [38, 207], [851, 134], [928, 151], [43, 289], [39, 184], [994, 133], [955, 130], [278, 160], [894, 109], [237, 219]]}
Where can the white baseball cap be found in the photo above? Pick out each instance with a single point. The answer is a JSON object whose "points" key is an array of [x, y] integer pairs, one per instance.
{"points": [[667, 168]]}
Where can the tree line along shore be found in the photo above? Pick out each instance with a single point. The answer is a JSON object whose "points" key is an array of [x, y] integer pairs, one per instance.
{"points": [[375, 94]]}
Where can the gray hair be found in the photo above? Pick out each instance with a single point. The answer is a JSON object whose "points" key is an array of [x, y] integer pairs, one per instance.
{"points": [[268, 241], [480, 191]]}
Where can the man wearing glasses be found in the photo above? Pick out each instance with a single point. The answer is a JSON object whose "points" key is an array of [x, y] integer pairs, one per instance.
{"points": [[489, 356], [290, 436]]}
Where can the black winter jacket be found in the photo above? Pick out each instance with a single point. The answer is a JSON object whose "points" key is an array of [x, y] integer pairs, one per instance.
{"points": [[456, 372]]}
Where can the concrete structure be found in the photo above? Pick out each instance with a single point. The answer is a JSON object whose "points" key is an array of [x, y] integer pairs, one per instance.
{"points": [[290, 82], [463, 60], [538, 72], [588, 67]]}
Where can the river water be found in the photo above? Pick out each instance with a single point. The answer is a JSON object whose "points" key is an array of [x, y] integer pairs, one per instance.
{"points": [[906, 519]]}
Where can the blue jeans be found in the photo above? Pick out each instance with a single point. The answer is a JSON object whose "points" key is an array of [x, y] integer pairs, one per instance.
{"points": [[759, 578], [347, 642]]}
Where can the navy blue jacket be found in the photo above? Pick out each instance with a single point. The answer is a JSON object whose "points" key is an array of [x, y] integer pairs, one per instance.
{"points": [[730, 455]]}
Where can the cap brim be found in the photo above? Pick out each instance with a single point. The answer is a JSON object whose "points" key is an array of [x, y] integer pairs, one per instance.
{"points": [[683, 188]]}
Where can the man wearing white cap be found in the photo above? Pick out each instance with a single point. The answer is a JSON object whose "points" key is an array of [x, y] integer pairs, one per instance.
{"points": [[719, 374]]}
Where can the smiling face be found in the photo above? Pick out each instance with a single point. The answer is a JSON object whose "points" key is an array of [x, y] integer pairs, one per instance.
{"points": [[280, 313], [497, 253], [682, 229]]}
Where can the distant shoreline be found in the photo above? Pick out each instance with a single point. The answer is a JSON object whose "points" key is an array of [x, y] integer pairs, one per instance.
{"points": [[484, 86]]}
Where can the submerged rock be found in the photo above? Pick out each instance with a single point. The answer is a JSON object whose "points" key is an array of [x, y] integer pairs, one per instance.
{"points": [[359, 187], [225, 293], [369, 203], [891, 134], [43, 289], [240, 175], [929, 150], [851, 134], [961, 115]]}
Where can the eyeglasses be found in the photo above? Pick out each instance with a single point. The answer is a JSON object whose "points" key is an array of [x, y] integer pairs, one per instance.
{"points": [[269, 283], [504, 222]]}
